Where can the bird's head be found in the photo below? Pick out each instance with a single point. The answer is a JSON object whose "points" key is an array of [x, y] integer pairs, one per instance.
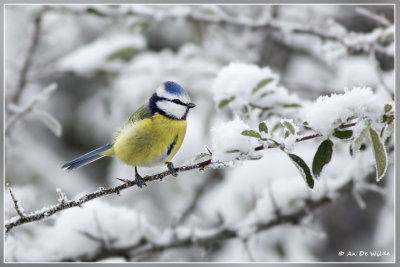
{"points": [[171, 100]]}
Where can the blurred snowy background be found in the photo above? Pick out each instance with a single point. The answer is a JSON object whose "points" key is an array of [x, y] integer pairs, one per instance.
{"points": [[100, 63]]}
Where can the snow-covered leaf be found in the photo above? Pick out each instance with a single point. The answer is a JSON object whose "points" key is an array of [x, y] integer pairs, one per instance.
{"points": [[356, 145]]}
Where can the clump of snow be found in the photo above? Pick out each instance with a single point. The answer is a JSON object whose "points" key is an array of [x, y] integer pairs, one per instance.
{"points": [[227, 137], [240, 85], [328, 112], [238, 80], [93, 57]]}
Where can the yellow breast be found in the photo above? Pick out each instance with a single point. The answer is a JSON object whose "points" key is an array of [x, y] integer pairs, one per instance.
{"points": [[149, 142]]}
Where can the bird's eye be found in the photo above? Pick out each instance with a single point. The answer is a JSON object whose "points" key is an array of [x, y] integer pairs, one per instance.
{"points": [[177, 101]]}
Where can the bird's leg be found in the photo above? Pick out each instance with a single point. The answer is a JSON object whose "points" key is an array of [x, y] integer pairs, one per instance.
{"points": [[138, 179], [171, 168]]}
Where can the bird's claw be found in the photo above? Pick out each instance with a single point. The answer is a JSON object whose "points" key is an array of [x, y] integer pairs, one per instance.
{"points": [[171, 168], [139, 181]]}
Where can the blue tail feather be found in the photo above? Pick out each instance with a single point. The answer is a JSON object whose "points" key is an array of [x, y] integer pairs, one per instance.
{"points": [[86, 158]]}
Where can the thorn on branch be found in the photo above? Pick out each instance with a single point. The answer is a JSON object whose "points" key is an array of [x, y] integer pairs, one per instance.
{"points": [[17, 207]]}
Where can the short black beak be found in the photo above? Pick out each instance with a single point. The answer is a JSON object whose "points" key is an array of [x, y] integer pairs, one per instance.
{"points": [[191, 105]]}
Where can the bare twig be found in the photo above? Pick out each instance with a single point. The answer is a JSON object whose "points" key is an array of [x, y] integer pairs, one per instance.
{"points": [[277, 211], [379, 72], [45, 213], [17, 207], [42, 96], [213, 177], [247, 249], [27, 62], [379, 19]]}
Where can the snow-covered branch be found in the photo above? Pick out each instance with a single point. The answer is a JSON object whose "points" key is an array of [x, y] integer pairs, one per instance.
{"points": [[354, 42], [63, 205]]}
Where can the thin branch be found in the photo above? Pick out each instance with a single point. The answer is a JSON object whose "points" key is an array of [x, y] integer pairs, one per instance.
{"points": [[379, 72], [247, 249], [42, 96], [379, 19], [17, 207], [27, 62], [213, 177], [45, 213]]}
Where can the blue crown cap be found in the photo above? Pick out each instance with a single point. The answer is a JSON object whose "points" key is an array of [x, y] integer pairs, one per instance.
{"points": [[174, 88]]}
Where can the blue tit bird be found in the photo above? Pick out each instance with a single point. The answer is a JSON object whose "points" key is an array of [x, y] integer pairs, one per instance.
{"points": [[151, 136]]}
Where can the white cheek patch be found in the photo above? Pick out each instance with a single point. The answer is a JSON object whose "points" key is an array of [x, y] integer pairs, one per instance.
{"points": [[172, 109]]}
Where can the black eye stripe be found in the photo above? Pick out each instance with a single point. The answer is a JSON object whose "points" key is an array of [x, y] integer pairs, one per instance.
{"points": [[157, 98], [176, 101]]}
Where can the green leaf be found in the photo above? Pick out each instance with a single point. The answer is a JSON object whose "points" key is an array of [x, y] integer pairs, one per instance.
{"points": [[387, 118], [388, 108], [233, 151], [359, 140], [201, 155], [294, 105], [343, 134], [124, 53], [303, 168], [379, 154], [225, 102], [139, 26], [288, 125], [276, 127], [261, 84], [256, 157], [94, 11], [267, 93], [262, 127], [322, 157], [251, 133], [49, 121]]}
